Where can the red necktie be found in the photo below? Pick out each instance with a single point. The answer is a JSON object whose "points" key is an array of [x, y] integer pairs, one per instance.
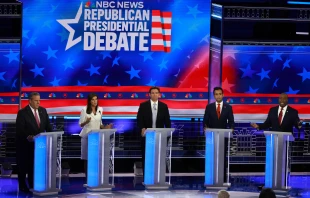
{"points": [[37, 118], [280, 115], [218, 111]]}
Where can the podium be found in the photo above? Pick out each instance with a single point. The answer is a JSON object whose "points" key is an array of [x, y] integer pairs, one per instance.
{"points": [[215, 158], [47, 159], [276, 172], [100, 160], [155, 157]]}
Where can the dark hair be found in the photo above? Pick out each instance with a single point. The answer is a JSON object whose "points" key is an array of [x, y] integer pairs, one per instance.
{"points": [[89, 98], [33, 94], [267, 193], [154, 88], [217, 88]]}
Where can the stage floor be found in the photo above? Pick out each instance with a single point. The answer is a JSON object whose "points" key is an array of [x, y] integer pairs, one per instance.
{"points": [[182, 186]]}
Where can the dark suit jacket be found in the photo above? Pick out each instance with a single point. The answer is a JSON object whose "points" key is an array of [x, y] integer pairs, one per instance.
{"points": [[290, 120], [211, 120], [144, 117]]}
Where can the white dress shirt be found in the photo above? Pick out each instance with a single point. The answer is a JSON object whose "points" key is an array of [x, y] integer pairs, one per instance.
{"points": [[221, 106], [32, 109], [95, 121], [283, 112], [154, 112]]}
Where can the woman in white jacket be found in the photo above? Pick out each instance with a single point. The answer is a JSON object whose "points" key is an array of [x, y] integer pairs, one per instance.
{"points": [[90, 119]]}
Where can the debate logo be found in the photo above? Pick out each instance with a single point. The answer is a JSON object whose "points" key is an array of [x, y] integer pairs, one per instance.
{"points": [[119, 26], [107, 95], [134, 95]]}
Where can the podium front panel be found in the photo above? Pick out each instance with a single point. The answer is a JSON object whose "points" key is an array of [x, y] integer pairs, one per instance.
{"points": [[269, 160], [40, 161], [93, 160], [149, 166], [209, 159]]}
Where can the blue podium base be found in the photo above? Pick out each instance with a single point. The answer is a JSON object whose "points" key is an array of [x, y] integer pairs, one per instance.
{"points": [[45, 193], [165, 186], [99, 188]]}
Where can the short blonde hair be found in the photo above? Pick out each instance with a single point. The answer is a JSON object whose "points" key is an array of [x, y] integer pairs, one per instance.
{"points": [[223, 194]]}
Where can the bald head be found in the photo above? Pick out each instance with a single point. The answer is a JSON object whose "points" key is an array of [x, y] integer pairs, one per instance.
{"points": [[283, 99]]}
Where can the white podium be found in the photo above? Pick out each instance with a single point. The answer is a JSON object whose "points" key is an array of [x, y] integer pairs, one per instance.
{"points": [[155, 157], [47, 159], [100, 160], [215, 158]]}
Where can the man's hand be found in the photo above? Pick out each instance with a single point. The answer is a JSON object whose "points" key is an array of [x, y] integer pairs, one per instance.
{"points": [[254, 125], [30, 138], [143, 132], [204, 128]]}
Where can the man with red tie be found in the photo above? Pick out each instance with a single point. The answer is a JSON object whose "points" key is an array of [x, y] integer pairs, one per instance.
{"points": [[30, 121], [281, 118]]}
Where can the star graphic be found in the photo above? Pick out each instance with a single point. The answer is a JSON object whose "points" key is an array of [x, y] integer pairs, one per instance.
{"points": [[147, 55], [93, 70], [247, 72], [115, 61], [305, 74], [105, 54], [275, 56], [63, 34], [207, 79], [176, 75], [163, 65], [65, 23], [24, 85], [263, 74], [1, 76], [133, 73], [25, 34], [53, 8], [226, 86], [193, 11], [286, 64], [68, 64], [47, 23], [31, 41], [81, 84], [14, 84], [105, 81], [291, 91], [230, 53], [176, 45], [205, 39], [252, 90], [275, 83], [194, 27], [50, 53], [55, 82], [152, 83], [37, 70], [12, 56]]}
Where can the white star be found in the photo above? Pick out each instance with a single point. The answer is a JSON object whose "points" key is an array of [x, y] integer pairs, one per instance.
{"points": [[65, 23]]}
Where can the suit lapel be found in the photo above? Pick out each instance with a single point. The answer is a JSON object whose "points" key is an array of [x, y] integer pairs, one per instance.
{"points": [[223, 110], [285, 115], [41, 117], [31, 116]]}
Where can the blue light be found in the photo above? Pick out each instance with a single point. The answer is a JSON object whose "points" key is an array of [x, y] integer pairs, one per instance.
{"points": [[40, 164], [209, 158], [269, 161], [298, 3], [93, 160], [149, 158]]}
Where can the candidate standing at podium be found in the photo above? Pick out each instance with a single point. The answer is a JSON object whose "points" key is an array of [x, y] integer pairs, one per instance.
{"points": [[30, 121], [152, 114], [219, 115], [90, 119]]}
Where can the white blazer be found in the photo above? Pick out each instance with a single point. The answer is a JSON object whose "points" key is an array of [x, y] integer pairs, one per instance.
{"points": [[95, 121]]}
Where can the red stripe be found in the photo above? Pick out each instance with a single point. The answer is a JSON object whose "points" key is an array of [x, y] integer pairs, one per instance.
{"points": [[157, 36], [103, 89], [155, 12], [264, 109], [167, 49], [8, 109], [265, 95], [167, 37], [9, 94], [161, 25], [166, 14], [157, 47]]}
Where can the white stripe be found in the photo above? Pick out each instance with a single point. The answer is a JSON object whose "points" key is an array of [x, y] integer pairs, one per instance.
{"points": [[161, 31], [157, 42], [167, 32], [8, 116], [155, 18], [166, 20]]}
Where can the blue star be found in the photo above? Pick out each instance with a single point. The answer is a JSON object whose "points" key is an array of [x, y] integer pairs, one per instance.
{"points": [[133, 73], [205, 39], [14, 84], [50, 53], [291, 91], [286, 64], [276, 56], [25, 34], [147, 55], [163, 64], [31, 41], [194, 27], [193, 11], [1, 76], [263, 74], [81, 84], [247, 72], [152, 83], [55, 82], [115, 61], [47, 24], [176, 75], [68, 64], [176, 45], [93, 70], [105, 79], [252, 90], [12, 56], [305, 74], [105, 54], [37, 70], [53, 8], [64, 35], [24, 85], [275, 83]]}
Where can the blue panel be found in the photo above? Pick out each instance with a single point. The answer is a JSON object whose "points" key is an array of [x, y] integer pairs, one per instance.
{"points": [[40, 160], [298, 2], [209, 158], [149, 158], [269, 161], [93, 160]]}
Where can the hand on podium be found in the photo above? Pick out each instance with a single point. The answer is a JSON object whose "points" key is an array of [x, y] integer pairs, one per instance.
{"points": [[143, 132], [30, 138], [108, 126], [254, 125]]}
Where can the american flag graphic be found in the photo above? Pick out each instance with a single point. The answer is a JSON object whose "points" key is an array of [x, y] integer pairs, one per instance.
{"points": [[161, 31]]}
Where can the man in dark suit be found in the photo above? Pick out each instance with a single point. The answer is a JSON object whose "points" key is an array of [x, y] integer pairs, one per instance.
{"points": [[152, 114], [30, 121], [219, 115], [281, 118]]}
